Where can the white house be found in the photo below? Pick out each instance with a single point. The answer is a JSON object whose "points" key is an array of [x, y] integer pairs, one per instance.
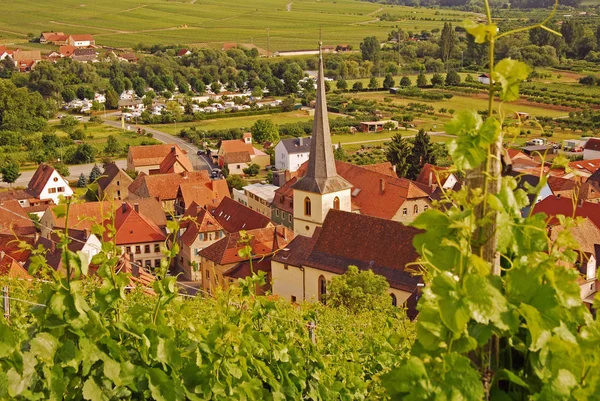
{"points": [[46, 183], [484, 79], [591, 150], [291, 153], [81, 40]]}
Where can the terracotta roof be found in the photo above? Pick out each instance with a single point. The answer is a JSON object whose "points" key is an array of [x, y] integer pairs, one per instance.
{"points": [[204, 222], [562, 186], [27, 55], [516, 154], [229, 46], [585, 233], [382, 168], [298, 251], [134, 228], [206, 194], [129, 56], [11, 246], [11, 268], [237, 157], [48, 35], [138, 276], [586, 166], [53, 253], [233, 217], [284, 196], [14, 194], [243, 270], [554, 205], [431, 172], [182, 52], [150, 154], [81, 38], [66, 50], [109, 174], [593, 144], [13, 218], [165, 186], [236, 146], [381, 245], [176, 155], [40, 179], [367, 195], [263, 241]]}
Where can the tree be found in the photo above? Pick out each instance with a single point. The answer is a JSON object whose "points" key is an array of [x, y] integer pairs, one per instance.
{"points": [[112, 145], [397, 152], [68, 94], [340, 153], [421, 154], [112, 99], [341, 84], [357, 86], [95, 173], [452, 78], [139, 86], [252, 170], [20, 109], [236, 181], [388, 81], [447, 41], [405, 82], [68, 123], [62, 169], [84, 153], [265, 131], [358, 290], [82, 181], [437, 80], [370, 48], [10, 171], [421, 80], [588, 80], [373, 84]]}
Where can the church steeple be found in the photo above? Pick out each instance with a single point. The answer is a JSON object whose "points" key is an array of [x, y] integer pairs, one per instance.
{"points": [[321, 176]]}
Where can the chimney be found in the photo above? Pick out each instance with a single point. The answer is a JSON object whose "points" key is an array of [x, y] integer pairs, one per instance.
{"points": [[430, 178], [184, 174], [36, 236], [300, 141], [136, 207], [172, 149], [86, 234], [382, 185], [52, 246], [579, 202], [135, 268], [124, 207], [2, 256]]}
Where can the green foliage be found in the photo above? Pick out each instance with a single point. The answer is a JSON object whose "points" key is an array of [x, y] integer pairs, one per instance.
{"points": [[397, 152], [405, 82], [370, 48], [252, 170], [112, 146], [452, 78], [358, 290], [421, 80], [373, 84], [388, 81], [10, 171], [340, 153], [82, 181], [112, 99], [421, 154], [265, 131], [437, 80], [95, 173], [68, 123], [235, 181], [341, 84], [62, 169], [84, 153], [357, 86]]}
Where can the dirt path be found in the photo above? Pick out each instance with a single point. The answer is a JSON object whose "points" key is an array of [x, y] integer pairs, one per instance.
{"points": [[289, 7], [116, 31], [376, 11], [129, 9], [13, 33]]}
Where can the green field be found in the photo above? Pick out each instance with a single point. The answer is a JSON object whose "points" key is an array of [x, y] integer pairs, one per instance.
{"points": [[200, 23]]}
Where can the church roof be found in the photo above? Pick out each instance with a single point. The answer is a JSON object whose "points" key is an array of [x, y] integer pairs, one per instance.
{"points": [[321, 176]]}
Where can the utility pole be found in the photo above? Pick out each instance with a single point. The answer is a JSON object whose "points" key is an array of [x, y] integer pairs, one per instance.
{"points": [[268, 42]]}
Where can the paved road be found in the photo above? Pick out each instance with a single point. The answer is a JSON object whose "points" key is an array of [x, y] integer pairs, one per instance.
{"points": [[199, 162]]}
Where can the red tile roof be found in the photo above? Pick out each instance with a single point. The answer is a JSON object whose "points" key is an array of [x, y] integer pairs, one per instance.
{"points": [[134, 228], [236, 146], [516, 154], [593, 144], [40, 179], [208, 194], [553, 206], [175, 156], [182, 52], [14, 219], [66, 50], [15, 247], [237, 157], [11, 268], [150, 154], [81, 38], [284, 196], [204, 222], [432, 173], [562, 185], [165, 186], [263, 241], [233, 217], [382, 168]]}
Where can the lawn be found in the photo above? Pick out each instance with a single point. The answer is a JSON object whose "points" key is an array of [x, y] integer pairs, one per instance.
{"points": [[290, 25]]}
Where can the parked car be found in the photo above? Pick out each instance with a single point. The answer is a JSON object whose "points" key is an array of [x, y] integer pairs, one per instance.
{"points": [[215, 173], [200, 152]]}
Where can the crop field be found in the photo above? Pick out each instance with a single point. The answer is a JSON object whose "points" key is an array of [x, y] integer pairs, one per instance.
{"points": [[292, 24]]}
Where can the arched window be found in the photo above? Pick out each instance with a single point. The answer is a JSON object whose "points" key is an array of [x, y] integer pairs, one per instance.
{"points": [[394, 300], [307, 208], [322, 289], [416, 209], [336, 203]]}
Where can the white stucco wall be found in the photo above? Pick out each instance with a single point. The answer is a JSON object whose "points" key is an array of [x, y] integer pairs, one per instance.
{"points": [[320, 206], [55, 187]]}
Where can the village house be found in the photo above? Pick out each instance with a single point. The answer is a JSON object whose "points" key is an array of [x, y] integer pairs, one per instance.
{"points": [[553, 206], [5, 53], [30, 204], [302, 270], [234, 216], [15, 220], [13, 256], [592, 149], [26, 60], [376, 126], [260, 197], [80, 241], [201, 231], [175, 162], [85, 55], [434, 176], [484, 79], [183, 52], [221, 263], [10, 267], [166, 187], [114, 183], [148, 159], [48, 184], [291, 153], [81, 40], [238, 154]]}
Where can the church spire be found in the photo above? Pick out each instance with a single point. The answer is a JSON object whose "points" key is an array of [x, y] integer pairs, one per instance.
{"points": [[321, 175]]}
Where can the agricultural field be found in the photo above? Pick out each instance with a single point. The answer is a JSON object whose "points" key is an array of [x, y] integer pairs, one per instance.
{"points": [[292, 24]]}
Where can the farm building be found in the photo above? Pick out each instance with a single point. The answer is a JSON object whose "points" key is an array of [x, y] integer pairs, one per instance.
{"points": [[375, 126]]}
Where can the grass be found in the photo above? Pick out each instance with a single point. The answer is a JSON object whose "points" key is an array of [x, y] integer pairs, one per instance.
{"points": [[212, 22]]}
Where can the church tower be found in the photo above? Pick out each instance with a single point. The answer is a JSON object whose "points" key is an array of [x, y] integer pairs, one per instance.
{"points": [[321, 189]]}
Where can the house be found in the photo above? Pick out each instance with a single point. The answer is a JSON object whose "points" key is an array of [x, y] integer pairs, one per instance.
{"points": [[49, 37], [229, 46], [528, 181], [290, 153], [81, 40], [147, 159], [129, 57], [592, 149], [15, 220], [208, 194], [221, 263], [9, 267], [302, 270], [85, 55], [200, 232], [83, 216], [176, 161], [376, 126], [80, 241], [26, 60], [14, 254], [553, 206], [260, 197], [435, 176], [282, 208], [30, 204], [165, 189], [66, 51], [47, 183], [484, 79], [238, 154], [234, 216], [183, 52], [5, 53], [114, 183], [563, 187]]}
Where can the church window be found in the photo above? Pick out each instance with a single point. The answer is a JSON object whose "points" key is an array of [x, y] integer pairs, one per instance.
{"points": [[322, 289], [307, 206], [336, 203]]}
